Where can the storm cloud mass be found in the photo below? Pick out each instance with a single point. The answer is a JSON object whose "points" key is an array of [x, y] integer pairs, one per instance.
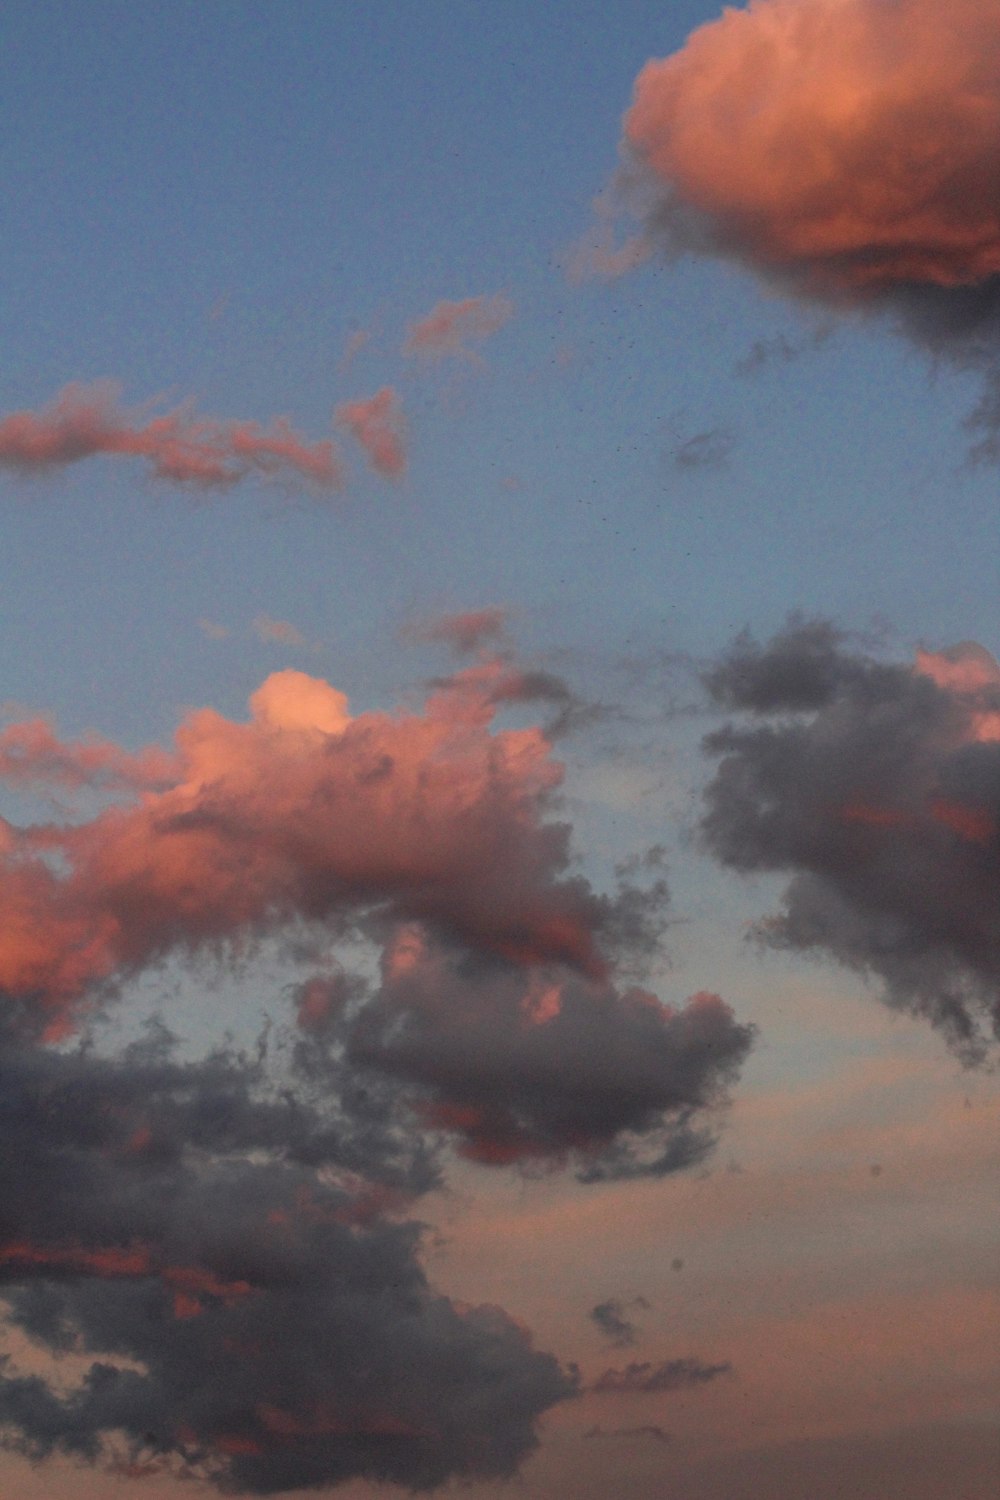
{"points": [[877, 786]]}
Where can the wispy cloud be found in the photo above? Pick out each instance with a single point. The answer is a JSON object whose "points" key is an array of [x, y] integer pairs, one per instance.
{"points": [[88, 420], [452, 328]]}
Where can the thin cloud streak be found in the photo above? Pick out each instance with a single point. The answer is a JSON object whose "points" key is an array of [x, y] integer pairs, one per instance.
{"points": [[84, 421]]}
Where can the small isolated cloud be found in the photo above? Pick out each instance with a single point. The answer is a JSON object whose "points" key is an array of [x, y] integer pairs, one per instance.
{"points": [[846, 150], [779, 349], [213, 629], [277, 632], [711, 449], [612, 1319], [451, 328], [377, 423], [464, 632], [649, 1379], [205, 453], [353, 345], [876, 786]]}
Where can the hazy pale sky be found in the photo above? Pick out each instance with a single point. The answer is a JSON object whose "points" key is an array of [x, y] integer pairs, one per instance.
{"points": [[500, 581]]}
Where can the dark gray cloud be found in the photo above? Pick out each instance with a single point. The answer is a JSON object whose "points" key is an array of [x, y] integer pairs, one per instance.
{"points": [[877, 787], [646, 1378], [612, 1319], [236, 1264], [544, 1065]]}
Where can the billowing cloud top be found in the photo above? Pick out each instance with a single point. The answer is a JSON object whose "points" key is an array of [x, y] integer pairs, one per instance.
{"points": [[498, 1004], [850, 146], [878, 786]]}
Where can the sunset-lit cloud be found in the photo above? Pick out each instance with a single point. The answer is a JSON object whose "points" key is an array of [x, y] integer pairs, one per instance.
{"points": [[453, 328], [877, 786], [464, 632], [377, 424], [845, 150], [84, 421]]}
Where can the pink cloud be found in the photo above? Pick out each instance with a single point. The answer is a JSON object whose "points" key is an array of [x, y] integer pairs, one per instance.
{"points": [[847, 145], [451, 326], [377, 424], [86, 420]]}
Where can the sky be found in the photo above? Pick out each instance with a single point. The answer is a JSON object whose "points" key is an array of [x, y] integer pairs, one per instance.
{"points": [[500, 749]]}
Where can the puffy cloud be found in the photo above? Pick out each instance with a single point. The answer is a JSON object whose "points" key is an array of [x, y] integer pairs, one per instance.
{"points": [[86, 420], [498, 1004], [847, 149], [377, 424], [650, 1379], [531, 1062], [877, 786], [450, 327], [230, 1256]]}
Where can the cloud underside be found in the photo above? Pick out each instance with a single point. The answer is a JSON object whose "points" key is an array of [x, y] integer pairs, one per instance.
{"points": [[877, 787]]}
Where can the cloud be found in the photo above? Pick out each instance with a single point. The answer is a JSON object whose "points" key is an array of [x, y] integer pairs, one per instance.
{"points": [[278, 632], [706, 450], [86, 420], [611, 1319], [450, 327], [377, 424], [781, 350], [845, 149], [647, 1430], [215, 1246], [877, 786], [532, 1063], [498, 1005], [213, 629], [650, 1379], [464, 632]]}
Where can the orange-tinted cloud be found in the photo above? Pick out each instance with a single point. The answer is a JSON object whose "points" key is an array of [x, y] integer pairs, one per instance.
{"points": [[377, 424], [849, 146], [86, 420], [300, 814], [451, 327]]}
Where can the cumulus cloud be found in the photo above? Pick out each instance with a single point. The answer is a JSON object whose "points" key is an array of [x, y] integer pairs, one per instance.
{"points": [[86, 420], [498, 1005], [846, 149], [377, 424], [877, 787], [232, 1257], [450, 328]]}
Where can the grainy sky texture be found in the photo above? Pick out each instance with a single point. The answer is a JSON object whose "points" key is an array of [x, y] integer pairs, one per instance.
{"points": [[500, 749]]}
